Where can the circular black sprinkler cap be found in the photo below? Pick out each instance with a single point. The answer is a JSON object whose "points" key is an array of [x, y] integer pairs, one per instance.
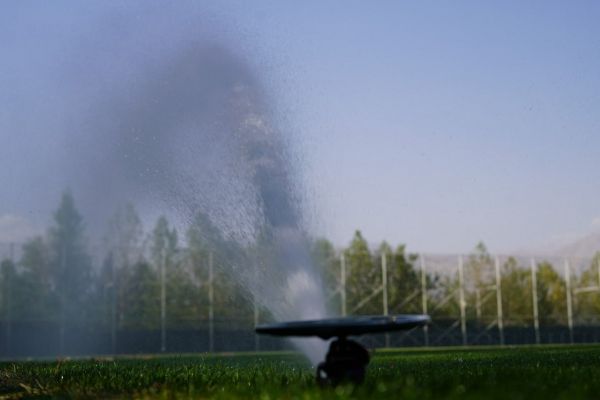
{"points": [[346, 360]]}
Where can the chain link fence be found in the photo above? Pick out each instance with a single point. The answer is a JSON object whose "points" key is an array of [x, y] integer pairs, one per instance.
{"points": [[476, 299]]}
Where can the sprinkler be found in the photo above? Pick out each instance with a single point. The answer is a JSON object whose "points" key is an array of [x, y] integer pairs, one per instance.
{"points": [[346, 360]]}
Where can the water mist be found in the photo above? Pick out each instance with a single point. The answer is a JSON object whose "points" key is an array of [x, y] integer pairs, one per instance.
{"points": [[194, 133]]}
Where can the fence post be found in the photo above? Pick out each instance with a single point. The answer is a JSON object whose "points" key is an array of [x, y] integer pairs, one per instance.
{"points": [[499, 301], [113, 307], [256, 309], [384, 291], [211, 328], [569, 299], [463, 316], [8, 305], [534, 299], [424, 298], [61, 328], [256, 319], [343, 283], [163, 304], [478, 305], [598, 268]]}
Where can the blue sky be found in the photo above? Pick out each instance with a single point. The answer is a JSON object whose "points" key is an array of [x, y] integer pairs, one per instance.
{"points": [[432, 124]]}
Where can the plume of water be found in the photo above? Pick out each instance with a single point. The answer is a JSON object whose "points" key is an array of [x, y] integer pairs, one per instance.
{"points": [[194, 133]]}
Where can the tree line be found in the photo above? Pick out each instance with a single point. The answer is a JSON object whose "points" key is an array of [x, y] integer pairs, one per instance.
{"points": [[141, 273]]}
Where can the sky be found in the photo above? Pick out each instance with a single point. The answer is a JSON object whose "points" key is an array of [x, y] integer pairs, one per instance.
{"points": [[433, 124]]}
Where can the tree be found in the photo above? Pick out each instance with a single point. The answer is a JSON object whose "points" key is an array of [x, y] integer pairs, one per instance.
{"points": [[70, 264], [11, 291], [551, 293], [124, 236], [36, 279], [516, 293], [479, 281], [164, 243], [140, 300], [105, 304], [404, 282], [206, 244], [328, 266], [202, 238], [124, 247], [444, 301], [363, 278], [179, 290], [588, 303]]}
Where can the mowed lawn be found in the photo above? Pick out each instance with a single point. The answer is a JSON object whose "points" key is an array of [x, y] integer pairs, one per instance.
{"points": [[547, 372]]}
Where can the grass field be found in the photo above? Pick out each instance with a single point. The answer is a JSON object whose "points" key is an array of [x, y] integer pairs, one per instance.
{"points": [[571, 372]]}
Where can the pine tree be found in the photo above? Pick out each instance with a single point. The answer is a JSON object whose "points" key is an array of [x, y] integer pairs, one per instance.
{"points": [[70, 264]]}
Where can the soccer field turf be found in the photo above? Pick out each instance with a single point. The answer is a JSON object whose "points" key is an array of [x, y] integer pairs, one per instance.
{"points": [[567, 372]]}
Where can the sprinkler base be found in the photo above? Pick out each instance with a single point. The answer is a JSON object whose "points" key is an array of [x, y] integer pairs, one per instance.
{"points": [[346, 361]]}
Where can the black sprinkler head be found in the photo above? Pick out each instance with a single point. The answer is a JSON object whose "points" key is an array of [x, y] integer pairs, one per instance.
{"points": [[346, 360]]}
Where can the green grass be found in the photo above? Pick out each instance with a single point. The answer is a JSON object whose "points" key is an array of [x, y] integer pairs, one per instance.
{"points": [[571, 372]]}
